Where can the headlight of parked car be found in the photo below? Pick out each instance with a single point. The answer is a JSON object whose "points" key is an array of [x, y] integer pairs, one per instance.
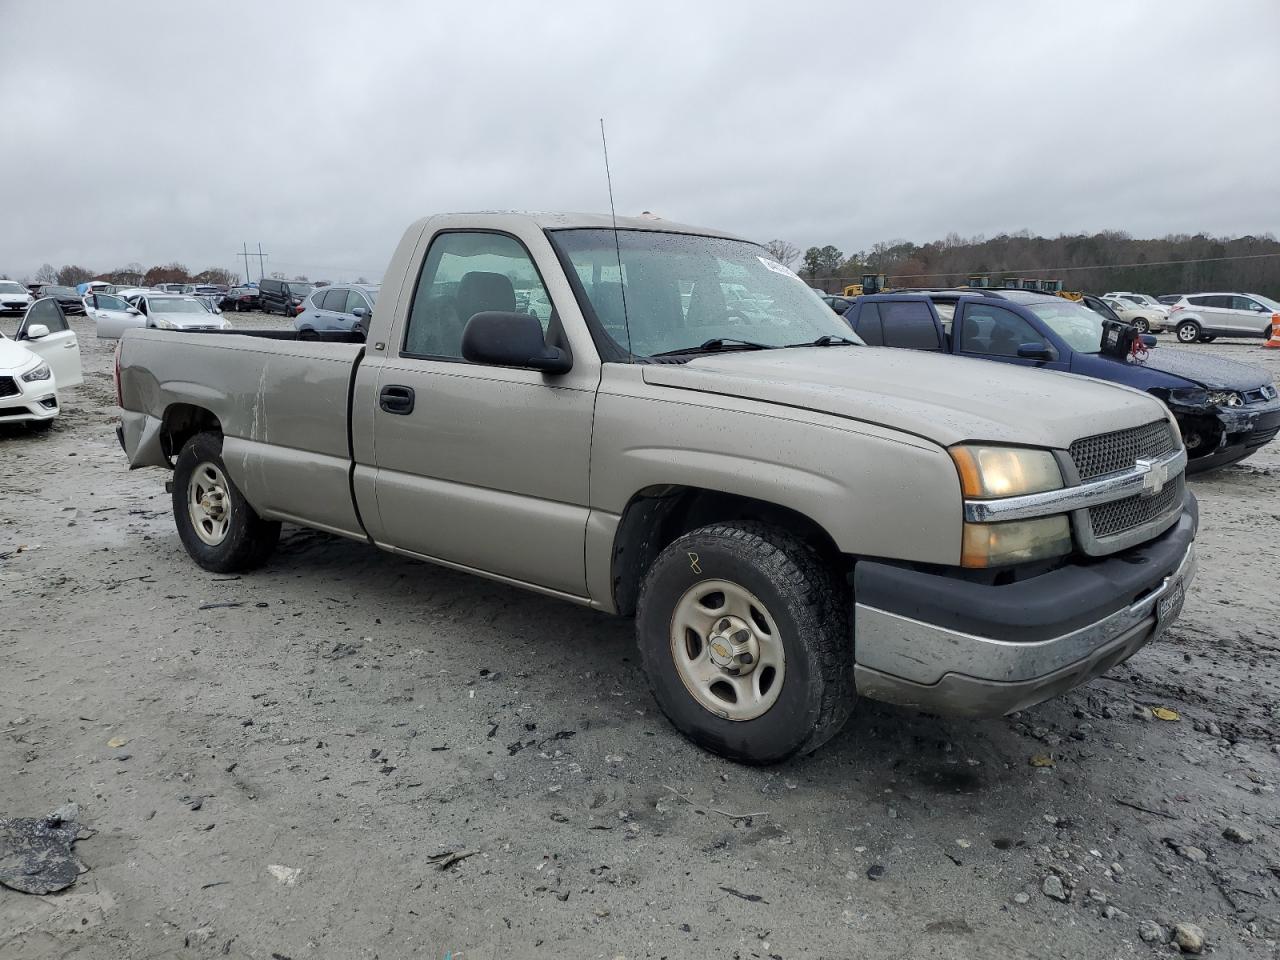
{"points": [[160, 323], [1225, 398], [41, 372], [987, 472], [1193, 397]]}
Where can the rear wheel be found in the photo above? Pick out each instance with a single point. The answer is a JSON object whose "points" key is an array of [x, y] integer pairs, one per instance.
{"points": [[220, 530], [1188, 331], [744, 634]]}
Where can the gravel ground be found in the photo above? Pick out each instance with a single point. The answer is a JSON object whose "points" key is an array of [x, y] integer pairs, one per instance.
{"points": [[272, 763]]}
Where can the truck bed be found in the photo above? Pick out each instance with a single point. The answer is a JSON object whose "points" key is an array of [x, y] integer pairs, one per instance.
{"points": [[281, 402]]}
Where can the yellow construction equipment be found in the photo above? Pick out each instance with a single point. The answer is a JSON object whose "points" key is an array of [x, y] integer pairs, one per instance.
{"points": [[871, 283]]}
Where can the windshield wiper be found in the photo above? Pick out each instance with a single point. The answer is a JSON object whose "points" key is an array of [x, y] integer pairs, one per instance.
{"points": [[827, 340], [715, 345]]}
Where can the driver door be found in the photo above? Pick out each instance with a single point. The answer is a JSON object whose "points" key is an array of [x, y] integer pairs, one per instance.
{"points": [[58, 348], [996, 333]]}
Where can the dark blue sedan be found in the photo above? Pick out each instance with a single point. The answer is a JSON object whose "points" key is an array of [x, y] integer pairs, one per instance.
{"points": [[1225, 409]]}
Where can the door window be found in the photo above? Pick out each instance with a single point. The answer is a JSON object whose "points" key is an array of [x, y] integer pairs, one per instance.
{"points": [[465, 274], [1247, 304], [47, 312], [995, 331], [354, 299], [335, 300], [909, 324], [104, 302]]}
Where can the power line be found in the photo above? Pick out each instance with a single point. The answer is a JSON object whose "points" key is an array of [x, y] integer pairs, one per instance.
{"points": [[1099, 266], [260, 256]]}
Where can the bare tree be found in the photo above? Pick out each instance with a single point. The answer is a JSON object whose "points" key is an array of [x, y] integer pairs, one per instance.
{"points": [[785, 253], [302, 277], [217, 275], [46, 274], [72, 274]]}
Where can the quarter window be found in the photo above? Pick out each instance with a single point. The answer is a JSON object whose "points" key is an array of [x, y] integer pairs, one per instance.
{"points": [[465, 274]]}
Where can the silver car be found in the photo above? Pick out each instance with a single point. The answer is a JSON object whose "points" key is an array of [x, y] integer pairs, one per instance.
{"points": [[1205, 316], [165, 311], [112, 315]]}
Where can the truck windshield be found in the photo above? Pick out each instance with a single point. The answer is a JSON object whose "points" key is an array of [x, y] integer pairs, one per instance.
{"points": [[683, 291], [1079, 326]]}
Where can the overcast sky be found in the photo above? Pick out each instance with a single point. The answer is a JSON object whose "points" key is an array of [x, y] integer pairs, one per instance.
{"points": [[160, 131]]}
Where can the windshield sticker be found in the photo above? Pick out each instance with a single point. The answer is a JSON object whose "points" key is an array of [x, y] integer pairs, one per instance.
{"points": [[776, 267]]}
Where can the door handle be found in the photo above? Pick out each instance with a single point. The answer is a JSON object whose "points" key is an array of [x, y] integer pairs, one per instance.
{"points": [[396, 399]]}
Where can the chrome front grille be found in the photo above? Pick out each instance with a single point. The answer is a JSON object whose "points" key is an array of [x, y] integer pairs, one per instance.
{"points": [[1106, 453], [1108, 519]]}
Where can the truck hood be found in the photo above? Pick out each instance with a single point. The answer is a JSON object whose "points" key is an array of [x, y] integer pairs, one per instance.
{"points": [[941, 398]]}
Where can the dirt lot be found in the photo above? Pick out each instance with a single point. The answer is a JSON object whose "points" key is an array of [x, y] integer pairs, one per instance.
{"points": [[296, 745]]}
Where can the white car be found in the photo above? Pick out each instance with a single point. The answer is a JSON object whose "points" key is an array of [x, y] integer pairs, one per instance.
{"points": [[167, 311], [1146, 319], [1140, 299], [1204, 316], [112, 315], [14, 297], [41, 360]]}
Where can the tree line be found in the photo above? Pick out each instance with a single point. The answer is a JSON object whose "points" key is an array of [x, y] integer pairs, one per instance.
{"points": [[133, 274], [1094, 263]]}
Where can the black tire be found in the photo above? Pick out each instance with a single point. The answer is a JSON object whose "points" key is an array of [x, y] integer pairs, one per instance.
{"points": [[1188, 331], [41, 426], [249, 540], [1141, 325], [810, 607]]}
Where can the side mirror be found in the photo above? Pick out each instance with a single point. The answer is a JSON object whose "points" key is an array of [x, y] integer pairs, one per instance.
{"points": [[511, 340], [134, 311], [37, 331], [1034, 351], [360, 313]]}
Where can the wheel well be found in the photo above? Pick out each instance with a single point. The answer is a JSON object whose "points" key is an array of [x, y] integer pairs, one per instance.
{"points": [[656, 516], [182, 421]]}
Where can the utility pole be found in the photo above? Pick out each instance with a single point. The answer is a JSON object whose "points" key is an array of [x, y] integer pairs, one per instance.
{"points": [[248, 278]]}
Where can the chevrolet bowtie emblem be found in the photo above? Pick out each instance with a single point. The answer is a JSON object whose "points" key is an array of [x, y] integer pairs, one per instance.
{"points": [[1154, 475]]}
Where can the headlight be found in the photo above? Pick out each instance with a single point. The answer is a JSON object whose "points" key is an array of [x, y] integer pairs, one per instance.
{"points": [[41, 372], [987, 472], [1017, 541], [1225, 398], [1005, 471], [162, 324], [1192, 397]]}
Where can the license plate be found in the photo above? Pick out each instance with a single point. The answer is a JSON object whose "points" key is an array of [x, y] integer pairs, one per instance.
{"points": [[1170, 605]]}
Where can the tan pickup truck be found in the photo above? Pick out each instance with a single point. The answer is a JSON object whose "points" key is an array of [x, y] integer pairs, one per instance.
{"points": [[664, 422]]}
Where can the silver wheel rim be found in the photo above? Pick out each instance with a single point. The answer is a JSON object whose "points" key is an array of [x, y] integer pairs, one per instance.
{"points": [[209, 503], [728, 650], [1186, 334]]}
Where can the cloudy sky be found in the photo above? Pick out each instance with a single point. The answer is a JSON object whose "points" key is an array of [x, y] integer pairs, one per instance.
{"points": [[160, 131]]}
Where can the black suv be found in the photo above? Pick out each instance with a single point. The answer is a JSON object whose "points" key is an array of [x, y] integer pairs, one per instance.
{"points": [[283, 296]]}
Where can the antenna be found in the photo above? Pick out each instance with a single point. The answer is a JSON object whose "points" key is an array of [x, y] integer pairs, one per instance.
{"points": [[617, 247]]}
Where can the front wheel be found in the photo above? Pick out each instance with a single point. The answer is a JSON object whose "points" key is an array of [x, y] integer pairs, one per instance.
{"points": [[745, 636], [221, 532], [1141, 325], [1188, 331]]}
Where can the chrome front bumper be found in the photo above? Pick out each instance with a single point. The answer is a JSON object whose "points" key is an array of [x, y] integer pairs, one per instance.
{"points": [[909, 662]]}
